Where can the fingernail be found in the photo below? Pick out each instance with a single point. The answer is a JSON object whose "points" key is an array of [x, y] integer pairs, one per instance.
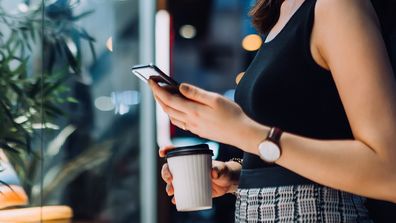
{"points": [[184, 87]]}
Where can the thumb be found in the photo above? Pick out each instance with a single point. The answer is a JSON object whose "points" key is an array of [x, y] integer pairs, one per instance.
{"points": [[197, 94], [162, 152]]}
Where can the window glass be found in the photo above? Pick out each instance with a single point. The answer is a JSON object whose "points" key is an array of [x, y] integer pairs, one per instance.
{"points": [[69, 110]]}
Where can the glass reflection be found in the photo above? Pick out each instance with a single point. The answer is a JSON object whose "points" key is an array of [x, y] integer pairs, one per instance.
{"points": [[96, 171]]}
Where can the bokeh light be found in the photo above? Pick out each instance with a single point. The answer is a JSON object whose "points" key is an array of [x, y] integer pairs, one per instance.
{"points": [[188, 31], [252, 42]]}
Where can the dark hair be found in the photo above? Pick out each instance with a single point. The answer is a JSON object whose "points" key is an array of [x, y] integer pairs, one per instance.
{"points": [[266, 13]]}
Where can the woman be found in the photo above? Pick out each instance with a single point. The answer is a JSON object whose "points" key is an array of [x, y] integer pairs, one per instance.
{"points": [[315, 114]]}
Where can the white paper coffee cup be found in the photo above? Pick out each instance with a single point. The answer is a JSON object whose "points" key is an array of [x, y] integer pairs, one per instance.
{"points": [[191, 168]]}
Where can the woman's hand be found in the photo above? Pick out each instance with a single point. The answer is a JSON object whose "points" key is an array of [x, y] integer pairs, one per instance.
{"points": [[225, 176], [206, 114]]}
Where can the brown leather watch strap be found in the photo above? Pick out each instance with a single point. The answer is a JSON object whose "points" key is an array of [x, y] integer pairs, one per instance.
{"points": [[274, 135]]}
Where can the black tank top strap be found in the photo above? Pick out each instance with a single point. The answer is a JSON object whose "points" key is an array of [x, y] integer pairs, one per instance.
{"points": [[306, 33]]}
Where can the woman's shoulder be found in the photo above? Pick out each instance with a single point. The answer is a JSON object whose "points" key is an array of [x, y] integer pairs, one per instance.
{"points": [[337, 11], [336, 20]]}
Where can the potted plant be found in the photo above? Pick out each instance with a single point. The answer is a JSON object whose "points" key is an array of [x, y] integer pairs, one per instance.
{"points": [[38, 55]]}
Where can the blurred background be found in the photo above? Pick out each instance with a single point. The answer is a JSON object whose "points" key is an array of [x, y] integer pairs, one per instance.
{"points": [[80, 132]]}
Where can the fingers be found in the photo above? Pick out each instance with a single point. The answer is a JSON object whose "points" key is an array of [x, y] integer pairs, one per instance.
{"points": [[167, 177], [166, 174], [180, 124], [172, 100], [197, 94], [162, 152], [170, 192], [169, 189], [173, 113]]}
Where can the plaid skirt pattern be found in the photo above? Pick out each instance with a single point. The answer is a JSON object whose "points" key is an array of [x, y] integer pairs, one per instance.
{"points": [[299, 203]]}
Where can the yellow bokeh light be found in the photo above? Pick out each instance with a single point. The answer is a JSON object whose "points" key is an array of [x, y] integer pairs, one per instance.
{"points": [[239, 77], [252, 42]]}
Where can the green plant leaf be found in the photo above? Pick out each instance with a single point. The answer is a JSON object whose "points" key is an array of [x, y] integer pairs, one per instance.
{"points": [[17, 90], [35, 89], [84, 34], [82, 15], [5, 184], [71, 100], [5, 146], [70, 58], [93, 52], [32, 32], [53, 110], [50, 87], [17, 162], [16, 141]]}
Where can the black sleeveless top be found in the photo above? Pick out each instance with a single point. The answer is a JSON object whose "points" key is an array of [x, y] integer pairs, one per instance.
{"points": [[286, 88]]}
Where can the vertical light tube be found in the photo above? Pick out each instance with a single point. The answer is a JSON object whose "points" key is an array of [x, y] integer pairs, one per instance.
{"points": [[148, 153], [162, 60]]}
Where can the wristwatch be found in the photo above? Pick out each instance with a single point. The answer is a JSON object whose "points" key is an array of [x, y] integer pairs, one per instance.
{"points": [[269, 149]]}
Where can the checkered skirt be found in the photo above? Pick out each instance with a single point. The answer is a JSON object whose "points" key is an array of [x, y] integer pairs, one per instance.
{"points": [[299, 203]]}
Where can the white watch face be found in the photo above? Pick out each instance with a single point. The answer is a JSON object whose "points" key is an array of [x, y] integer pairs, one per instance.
{"points": [[269, 151]]}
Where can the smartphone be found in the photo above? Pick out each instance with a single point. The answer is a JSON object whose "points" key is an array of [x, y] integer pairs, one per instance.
{"points": [[150, 71]]}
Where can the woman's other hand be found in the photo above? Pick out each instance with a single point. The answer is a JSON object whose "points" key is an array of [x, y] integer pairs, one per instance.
{"points": [[225, 176]]}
